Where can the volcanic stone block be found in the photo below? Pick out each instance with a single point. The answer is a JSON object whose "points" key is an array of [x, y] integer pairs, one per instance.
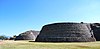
{"points": [[28, 35], [66, 32], [96, 30]]}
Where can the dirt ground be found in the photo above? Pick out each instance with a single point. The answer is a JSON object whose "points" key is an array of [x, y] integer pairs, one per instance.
{"points": [[1, 42]]}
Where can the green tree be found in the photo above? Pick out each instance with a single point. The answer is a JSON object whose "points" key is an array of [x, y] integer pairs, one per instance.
{"points": [[3, 37]]}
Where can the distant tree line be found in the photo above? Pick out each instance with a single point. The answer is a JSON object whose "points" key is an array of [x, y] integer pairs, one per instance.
{"points": [[3, 37]]}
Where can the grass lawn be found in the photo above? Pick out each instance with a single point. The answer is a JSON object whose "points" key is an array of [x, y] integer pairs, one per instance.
{"points": [[10, 44]]}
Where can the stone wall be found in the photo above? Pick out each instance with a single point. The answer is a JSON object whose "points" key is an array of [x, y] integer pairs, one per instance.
{"points": [[66, 32], [96, 30]]}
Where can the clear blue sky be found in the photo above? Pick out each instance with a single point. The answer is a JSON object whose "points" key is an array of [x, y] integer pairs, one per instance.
{"points": [[17, 16]]}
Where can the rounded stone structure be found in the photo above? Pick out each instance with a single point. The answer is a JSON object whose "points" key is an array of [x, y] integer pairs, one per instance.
{"points": [[66, 32]]}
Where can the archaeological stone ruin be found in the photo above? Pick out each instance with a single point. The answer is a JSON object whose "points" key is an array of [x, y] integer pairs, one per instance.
{"points": [[96, 30], [28, 35], [66, 32]]}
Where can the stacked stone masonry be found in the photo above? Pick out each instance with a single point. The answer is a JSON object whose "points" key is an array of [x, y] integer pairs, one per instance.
{"points": [[96, 30], [66, 32], [28, 35]]}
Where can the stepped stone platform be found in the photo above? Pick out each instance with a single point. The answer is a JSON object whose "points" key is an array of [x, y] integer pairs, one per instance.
{"points": [[28, 35], [66, 32]]}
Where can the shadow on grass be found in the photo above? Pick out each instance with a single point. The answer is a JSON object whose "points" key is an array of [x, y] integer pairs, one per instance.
{"points": [[58, 41]]}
